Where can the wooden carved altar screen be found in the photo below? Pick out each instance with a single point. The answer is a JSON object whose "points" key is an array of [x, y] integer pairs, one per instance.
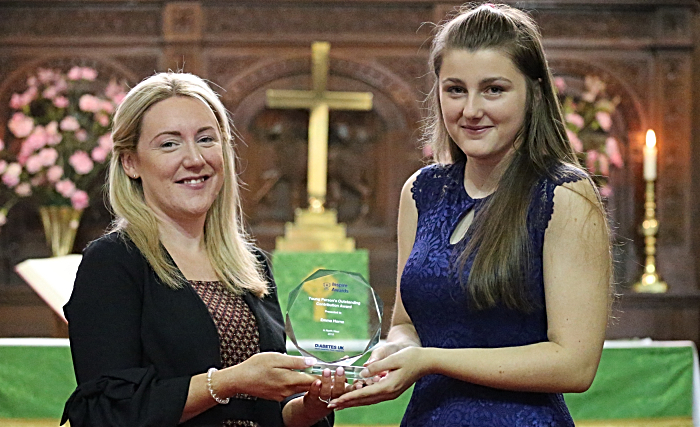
{"points": [[645, 50]]}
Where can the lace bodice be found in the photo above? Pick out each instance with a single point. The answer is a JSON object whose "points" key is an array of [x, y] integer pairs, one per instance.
{"points": [[439, 309]]}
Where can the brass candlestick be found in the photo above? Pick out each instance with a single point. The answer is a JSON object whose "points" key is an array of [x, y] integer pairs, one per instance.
{"points": [[651, 282]]}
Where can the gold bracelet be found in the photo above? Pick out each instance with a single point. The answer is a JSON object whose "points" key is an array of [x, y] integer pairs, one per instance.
{"points": [[219, 400]]}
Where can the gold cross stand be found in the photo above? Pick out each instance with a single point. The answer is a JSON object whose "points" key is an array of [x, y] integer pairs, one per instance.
{"points": [[316, 228]]}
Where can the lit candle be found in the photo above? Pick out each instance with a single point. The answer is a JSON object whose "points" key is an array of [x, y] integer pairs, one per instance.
{"points": [[650, 156]]}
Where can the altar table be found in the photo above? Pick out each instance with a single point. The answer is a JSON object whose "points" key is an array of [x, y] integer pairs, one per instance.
{"points": [[639, 383]]}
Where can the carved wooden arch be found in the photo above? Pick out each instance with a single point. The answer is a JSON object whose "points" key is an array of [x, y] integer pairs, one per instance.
{"points": [[379, 78], [395, 107]]}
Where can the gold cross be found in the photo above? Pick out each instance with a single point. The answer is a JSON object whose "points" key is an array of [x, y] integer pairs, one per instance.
{"points": [[319, 101]]}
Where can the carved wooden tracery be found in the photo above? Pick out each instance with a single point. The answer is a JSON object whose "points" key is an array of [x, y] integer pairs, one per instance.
{"points": [[274, 148], [644, 50]]}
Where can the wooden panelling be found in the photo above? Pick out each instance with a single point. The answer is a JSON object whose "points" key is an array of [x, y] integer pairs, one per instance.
{"points": [[647, 51]]}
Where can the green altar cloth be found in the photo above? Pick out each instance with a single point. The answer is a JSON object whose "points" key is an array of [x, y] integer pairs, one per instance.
{"points": [[36, 377], [653, 381], [639, 382]]}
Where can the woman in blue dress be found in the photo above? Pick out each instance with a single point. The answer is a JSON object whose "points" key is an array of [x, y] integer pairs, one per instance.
{"points": [[503, 246]]}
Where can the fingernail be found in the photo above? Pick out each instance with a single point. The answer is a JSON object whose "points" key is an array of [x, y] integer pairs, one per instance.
{"points": [[340, 371], [364, 373], [326, 372], [310, 361], [331, 406], [317, 383]]}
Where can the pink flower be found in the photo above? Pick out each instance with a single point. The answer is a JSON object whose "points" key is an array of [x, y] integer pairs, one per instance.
{"points": [[88, 73], [33, 164], [113, 89], [99, 154], [89, 103], [575, 119], [588, 96], [604, 120], [61, 85], [81, 135], [105, 141], [81, 162], [613, 150], [69, 123], [10, 180], [50, 92], [32, 81], [34, 142], [54, 137], [102, 119], [591, 158], [37, 140], [594, 85], [11, 175], [65, 188], [575, 141], [60, 102], [23, 189], [107, 107], [118, 98], [80, 200], [20, 125], [560, 84], [46, 75], [29, 95], [604, 164], [48, 156], [38, 181], [17, 101], [54, 173], [75, 73]]}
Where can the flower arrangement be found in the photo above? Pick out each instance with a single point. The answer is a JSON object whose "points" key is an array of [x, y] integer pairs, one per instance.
{"points": [[60, 138], [588, 120]]}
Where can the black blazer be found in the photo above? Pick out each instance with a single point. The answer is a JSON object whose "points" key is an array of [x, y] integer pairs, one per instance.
{"points": [[136, 343]]}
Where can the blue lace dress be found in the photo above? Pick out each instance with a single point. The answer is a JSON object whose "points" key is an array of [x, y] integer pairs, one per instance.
{"points": [[440, 312]]}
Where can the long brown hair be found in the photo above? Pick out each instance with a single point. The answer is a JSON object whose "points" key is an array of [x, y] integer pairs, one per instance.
{"points": [[501, 263]]}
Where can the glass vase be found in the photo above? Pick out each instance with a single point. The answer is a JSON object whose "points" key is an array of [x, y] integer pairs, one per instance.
{"points": [[60, 225]]}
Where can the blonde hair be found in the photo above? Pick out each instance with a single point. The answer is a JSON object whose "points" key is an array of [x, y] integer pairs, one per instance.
{"points": [[229, 248]]}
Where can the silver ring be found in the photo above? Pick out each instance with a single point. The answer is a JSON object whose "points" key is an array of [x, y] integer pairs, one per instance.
{"points": [[327, 402]]}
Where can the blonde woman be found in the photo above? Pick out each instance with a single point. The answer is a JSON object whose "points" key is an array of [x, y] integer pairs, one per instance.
{"points": [[174, 315]]}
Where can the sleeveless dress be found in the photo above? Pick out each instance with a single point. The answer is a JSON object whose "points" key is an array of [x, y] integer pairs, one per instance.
{"points": [[439, 309]]}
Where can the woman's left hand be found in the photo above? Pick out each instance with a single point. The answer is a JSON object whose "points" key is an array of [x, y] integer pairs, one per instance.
{"points": [[307, 410], [324, 390], [399, 371]]}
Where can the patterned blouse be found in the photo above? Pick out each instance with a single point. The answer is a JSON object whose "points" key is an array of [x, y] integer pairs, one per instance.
{"points": [[238, 332]]}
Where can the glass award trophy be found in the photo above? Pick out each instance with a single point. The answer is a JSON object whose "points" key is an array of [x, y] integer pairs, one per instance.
{"points": [[335, 317]]}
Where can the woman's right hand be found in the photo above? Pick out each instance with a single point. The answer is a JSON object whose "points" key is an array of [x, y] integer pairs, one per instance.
{"points": [[269, 376], [378, 354], [385, 351]]}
